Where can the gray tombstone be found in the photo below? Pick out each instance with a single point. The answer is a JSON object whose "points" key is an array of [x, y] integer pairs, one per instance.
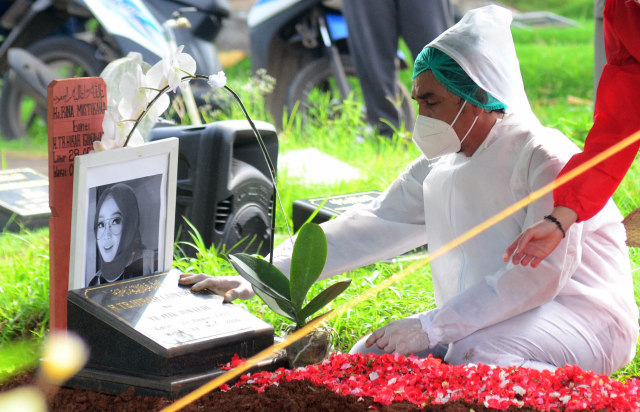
{"points": [[159, 337], [24, 199], [325, 208]]}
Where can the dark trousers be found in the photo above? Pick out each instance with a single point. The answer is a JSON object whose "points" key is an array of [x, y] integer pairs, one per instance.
{"points": [[374, 29]]}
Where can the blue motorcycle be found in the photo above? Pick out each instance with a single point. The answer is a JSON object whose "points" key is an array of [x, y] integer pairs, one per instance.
{"points": [[303, 45], [78, 38]]}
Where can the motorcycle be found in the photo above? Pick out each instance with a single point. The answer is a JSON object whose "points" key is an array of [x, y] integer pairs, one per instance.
{"points": [[78, 38], [303, 45]]}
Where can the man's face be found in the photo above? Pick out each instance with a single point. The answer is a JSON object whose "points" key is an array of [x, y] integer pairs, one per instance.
{"points": [[434, 100]]}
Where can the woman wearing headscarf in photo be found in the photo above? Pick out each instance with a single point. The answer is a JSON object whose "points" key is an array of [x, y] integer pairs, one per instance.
{"points": [[121, 254]]}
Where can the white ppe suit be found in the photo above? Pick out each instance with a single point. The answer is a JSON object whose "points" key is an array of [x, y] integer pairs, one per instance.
{"points": [[576, 307]]}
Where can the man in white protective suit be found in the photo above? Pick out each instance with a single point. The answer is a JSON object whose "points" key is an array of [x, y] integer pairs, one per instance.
{"points": [[484, 150]]}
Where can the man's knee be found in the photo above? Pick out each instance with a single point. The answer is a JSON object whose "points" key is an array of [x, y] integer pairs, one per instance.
{"points": [[460, 353], [480, 348], [475, 349], [360, 347]]}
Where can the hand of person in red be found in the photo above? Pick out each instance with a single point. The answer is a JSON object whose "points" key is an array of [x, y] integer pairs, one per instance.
{"points": [[538, 241], [534, 244]]}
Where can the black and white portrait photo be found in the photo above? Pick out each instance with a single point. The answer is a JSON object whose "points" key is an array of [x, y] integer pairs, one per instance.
{"points": [[123, 213], [126, 240]]}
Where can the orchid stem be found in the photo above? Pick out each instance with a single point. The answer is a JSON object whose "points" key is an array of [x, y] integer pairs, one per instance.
{"points": [[144, 112], [271, 168], [263, 148]]}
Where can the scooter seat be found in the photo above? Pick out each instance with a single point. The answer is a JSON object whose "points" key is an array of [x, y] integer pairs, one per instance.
{"points": [[219, 8]]}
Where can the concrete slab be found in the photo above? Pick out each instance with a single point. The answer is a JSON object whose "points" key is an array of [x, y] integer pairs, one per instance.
{"points": [[18, 160], [315, 167]]}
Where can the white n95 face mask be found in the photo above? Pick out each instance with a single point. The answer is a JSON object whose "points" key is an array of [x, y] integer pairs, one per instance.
{"points": [[436, 138]]}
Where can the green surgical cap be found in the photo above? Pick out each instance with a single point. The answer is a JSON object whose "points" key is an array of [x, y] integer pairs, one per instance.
{"points": [[451, 75]]}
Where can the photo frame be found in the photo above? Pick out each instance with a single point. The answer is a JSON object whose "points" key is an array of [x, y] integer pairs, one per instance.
{"points": [[123, 216]]}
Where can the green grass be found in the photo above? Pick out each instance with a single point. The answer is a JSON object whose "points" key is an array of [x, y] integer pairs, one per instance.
{"points": [[24, 298], [552, 70], [574, 9], [557, 66], [24, 291]]}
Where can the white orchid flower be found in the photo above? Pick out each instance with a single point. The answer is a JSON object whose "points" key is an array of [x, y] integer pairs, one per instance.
{"points": [[218, 80], [137, 92], [136, 138], [98, 146], [115, 129], [134, 93], [138, 98], [170, 70], [109, 128], [115, 71], [159, 107]]}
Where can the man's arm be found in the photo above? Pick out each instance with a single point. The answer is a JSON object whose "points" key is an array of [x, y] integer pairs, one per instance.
{"points": [[388, 226]]}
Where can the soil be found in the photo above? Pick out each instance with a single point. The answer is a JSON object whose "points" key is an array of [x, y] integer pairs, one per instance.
{"points": [[288, 396]]}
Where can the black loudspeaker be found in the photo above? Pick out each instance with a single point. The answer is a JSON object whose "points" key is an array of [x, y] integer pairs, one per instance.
{"points": [[224, 186]]}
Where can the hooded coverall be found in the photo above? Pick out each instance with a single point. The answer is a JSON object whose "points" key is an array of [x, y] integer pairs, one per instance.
{"points": [[577, 307]]}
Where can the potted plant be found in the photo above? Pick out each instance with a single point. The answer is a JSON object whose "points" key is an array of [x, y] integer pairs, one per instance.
{"points": [[286, 297]]}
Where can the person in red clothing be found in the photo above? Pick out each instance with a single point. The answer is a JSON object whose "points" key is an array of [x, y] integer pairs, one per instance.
{"points": [[616, 116]]}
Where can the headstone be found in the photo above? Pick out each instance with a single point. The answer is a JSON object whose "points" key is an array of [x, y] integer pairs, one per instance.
{"points": [[541, 19], [24, 199], [75, 109], [159, 337]]}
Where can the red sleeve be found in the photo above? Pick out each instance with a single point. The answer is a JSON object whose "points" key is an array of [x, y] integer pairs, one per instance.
{"points": [[616, 115]]}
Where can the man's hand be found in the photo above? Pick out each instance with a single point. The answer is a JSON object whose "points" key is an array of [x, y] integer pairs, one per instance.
{"points": [[537, 242], [403, 336], [231, 287]]}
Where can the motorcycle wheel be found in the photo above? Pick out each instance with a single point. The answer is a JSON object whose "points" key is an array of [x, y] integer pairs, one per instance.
{"points": [[69, 57], [316, 78]]}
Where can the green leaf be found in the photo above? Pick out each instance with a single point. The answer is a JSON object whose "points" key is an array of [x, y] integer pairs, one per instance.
{"points": [[317, 210], [307, 261], [278, 306], [262, 273], [323, 298]]}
